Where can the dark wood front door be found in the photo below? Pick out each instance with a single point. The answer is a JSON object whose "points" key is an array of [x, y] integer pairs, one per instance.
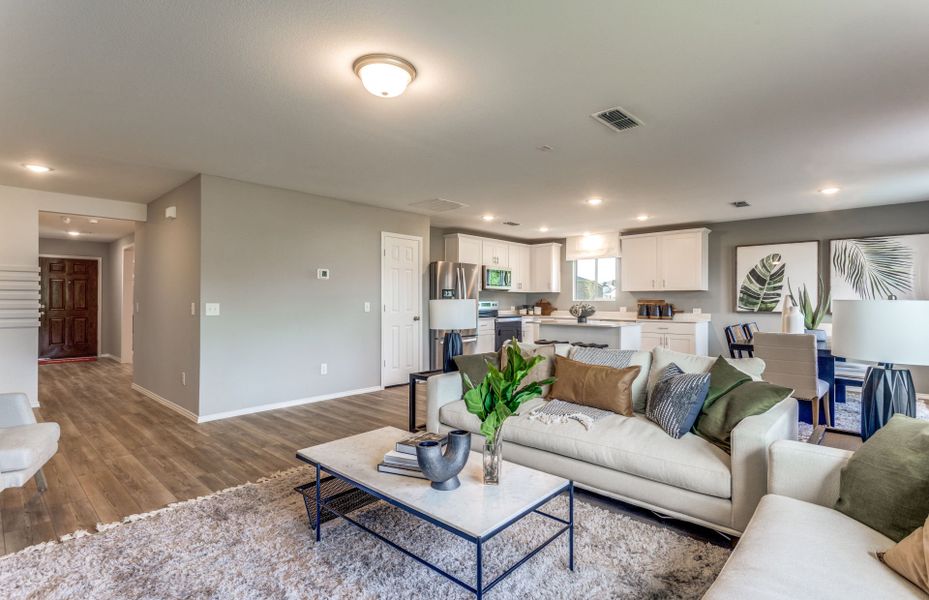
{"points": [[69, 295]]}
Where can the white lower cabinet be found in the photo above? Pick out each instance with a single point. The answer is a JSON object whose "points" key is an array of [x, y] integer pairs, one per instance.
{"points": [[690, 338], [530, 332], [486, 336]]}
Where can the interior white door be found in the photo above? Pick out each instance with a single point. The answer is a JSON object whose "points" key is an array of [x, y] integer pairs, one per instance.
{"points": [[401, 298]]}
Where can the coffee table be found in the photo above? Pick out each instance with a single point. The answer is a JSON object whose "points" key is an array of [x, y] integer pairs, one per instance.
{"points": [[474, 512]]}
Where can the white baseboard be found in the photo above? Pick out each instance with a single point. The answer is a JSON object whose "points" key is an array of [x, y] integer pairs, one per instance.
{"points": [[111, 357], [165, 402], [285, 404]]}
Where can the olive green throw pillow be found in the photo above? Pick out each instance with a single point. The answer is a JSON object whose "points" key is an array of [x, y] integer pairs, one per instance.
{"points": [[475, 366], [885, 484], [716, 421], [723, 379]]}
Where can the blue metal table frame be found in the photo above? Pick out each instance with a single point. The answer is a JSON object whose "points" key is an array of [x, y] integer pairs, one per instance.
{"points": [[480, 588]]}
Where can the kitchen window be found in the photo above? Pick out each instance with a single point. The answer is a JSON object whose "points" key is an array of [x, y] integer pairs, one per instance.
{"points": [[595, 279]]}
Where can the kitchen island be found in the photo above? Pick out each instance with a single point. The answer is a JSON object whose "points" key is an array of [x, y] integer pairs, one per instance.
{"points": [[615, 334]]}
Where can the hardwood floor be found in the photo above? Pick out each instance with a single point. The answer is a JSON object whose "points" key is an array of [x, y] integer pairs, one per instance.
{"points": [[121, 453]]}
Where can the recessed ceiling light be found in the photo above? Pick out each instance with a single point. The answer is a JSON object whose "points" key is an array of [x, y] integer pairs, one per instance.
{"points": [[74, 233], [595, 201], [66, 220], [38, 168], [642, 218], [830, 191], [488, 217], [543, 229], [384, 75], [93, 221]]}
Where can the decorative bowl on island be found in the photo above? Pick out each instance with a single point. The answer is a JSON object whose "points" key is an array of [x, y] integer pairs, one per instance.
{"points": [[582, 310]]}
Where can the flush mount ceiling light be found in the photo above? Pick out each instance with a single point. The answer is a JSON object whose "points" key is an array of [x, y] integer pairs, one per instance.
{"points": [[488, 217], [595, 201], [37, 168], [384, 75], [830, 191]]}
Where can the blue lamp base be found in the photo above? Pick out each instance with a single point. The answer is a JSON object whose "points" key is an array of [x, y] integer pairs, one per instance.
{"points": [[886, 391]]}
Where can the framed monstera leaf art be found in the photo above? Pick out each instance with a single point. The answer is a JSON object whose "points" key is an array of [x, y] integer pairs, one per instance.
{"points": [[762, 273]]}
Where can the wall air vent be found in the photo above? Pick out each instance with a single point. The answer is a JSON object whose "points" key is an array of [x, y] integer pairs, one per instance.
{"points": [[438, 205], [617, 119], [511, 223], [740, 204]]}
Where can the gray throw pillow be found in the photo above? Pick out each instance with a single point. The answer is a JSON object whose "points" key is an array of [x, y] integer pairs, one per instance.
{"points": [[475, 366], [676, 400]]}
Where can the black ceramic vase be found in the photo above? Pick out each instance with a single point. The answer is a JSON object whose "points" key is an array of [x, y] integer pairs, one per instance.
{"points": [[442, 469]]}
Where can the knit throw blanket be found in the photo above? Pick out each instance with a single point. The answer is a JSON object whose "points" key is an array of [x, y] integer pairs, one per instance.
{"points": [[559, 411]]}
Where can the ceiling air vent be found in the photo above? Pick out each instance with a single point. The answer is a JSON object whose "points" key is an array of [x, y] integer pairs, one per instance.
{"points": [[740, 204], [511, 223], [438, 205], [616, 118]]}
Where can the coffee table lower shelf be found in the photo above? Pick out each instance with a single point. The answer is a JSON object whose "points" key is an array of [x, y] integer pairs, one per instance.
{"points": [[338, 495]]}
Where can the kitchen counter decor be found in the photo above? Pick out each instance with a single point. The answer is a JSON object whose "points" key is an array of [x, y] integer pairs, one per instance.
{"points": [[582, 310]]}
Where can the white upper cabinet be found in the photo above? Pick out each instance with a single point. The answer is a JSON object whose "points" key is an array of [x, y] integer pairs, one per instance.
{"points": [[463, 248], [639, 264], [519, 264], [495, 253], [545, 264], [666, 261]]}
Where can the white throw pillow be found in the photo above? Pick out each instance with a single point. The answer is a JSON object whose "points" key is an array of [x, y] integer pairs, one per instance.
{"points": [[692, 363]]}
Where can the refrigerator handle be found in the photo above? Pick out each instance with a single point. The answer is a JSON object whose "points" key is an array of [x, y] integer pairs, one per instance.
{"points": [[460, 290]]}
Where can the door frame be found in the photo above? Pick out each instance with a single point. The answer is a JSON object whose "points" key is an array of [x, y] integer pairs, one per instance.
{"points": [[418, 239], [122, 308], [99, 290]]}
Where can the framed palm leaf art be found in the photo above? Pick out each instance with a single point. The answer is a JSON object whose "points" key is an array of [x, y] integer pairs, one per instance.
{"points": [[874, 268], [762, 273]]}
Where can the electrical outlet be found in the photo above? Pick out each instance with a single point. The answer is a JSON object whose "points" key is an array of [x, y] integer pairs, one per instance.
{"points": [[184, 378], [367, 307], [323, 369], [212, 309]]}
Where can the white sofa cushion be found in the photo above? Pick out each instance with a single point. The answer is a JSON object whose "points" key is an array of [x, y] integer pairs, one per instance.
{"points": [[692, 363], [22, 447], [633, 445], [795, 549]]}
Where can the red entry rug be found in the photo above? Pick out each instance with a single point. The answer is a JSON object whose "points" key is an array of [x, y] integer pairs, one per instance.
{"points": [[55, 361]]}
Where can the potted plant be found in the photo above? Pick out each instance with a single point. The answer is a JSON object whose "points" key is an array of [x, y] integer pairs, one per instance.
{"points": [[496, 398], [812, 316]]}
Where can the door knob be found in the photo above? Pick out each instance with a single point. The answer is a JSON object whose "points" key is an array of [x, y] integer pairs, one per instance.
{"points": [[416, 318]]}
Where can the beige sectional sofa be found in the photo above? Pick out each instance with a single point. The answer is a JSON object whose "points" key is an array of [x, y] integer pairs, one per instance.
{"points": [[797, 546], [634, 460]]}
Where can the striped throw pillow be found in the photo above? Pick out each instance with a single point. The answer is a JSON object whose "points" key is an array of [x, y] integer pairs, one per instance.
{"points": [[676, 401]]}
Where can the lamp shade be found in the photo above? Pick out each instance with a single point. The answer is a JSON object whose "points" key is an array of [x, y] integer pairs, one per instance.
{"points": [[453, 314], [887, 331]]}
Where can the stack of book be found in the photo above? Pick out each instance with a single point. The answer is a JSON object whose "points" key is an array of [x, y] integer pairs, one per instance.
{"points": [[402, 459]]}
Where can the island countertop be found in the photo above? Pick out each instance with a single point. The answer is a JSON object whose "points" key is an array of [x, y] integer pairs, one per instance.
{"points": [[600, 324]]}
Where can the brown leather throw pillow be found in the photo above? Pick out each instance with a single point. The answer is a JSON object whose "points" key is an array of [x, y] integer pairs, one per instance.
{"points": [[601, 387]]}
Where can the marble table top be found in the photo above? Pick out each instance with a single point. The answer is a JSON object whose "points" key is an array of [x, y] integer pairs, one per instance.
{"points": [[474, 508]]}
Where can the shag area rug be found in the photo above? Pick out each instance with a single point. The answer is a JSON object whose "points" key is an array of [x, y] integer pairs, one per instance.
{"points": [[848, 414], [252, 541]]}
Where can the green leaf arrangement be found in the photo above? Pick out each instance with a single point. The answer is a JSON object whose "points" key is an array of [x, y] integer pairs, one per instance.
{"points": [[761, 289], [499, 394], [812, 316], [875, 267]]}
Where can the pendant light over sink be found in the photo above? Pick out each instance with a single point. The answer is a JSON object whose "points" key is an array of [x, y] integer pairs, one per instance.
{"points": [[384, 75]]}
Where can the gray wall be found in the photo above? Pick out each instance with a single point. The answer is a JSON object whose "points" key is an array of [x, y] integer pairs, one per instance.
{"points": [[113, 340], [167, 336], [261, 247], [109, 310]]}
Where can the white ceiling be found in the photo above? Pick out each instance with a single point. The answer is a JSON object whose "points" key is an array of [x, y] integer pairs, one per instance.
{"points": [[757, 101], [53, 225]]}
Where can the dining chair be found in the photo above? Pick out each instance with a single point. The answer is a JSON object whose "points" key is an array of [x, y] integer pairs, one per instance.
{"points": [[749, 329], [735, 339], [791, 361]]}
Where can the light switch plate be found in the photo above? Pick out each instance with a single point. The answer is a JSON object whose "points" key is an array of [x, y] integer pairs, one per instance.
{"points": [[212, 309], [367, 307]]}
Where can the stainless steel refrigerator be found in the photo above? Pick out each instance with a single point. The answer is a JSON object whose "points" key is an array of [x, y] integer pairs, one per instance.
{"points": [[451, 281]]}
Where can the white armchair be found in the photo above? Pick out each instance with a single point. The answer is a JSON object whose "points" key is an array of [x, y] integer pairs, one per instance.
{"points": [[25, 446]]}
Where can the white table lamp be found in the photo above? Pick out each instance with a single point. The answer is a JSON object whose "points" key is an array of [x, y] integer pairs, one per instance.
{"points": [[888, 332], [452, 316]]}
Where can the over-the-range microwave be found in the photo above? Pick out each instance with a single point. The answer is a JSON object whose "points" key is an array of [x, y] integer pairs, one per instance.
{"points": [[496, 278]]}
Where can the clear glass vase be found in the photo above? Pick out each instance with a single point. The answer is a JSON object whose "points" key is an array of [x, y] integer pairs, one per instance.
{"points": [[493, 459]]}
